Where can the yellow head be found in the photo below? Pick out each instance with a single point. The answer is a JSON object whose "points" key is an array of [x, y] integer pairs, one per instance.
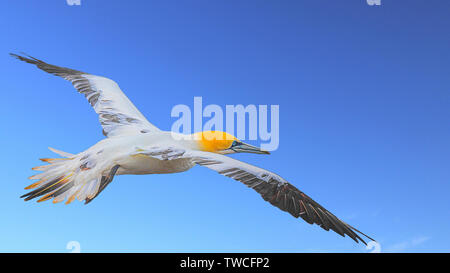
{"points": [[223, 143]]}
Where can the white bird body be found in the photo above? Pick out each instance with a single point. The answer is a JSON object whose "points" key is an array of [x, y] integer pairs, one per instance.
{"points": [[122, 151], [135, 146]]}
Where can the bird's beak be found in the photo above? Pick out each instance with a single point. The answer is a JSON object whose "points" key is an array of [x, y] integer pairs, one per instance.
{"points": [[247, 148]]}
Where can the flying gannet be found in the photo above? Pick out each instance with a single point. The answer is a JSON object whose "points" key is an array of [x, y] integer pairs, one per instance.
{"points": [[135, 146]]}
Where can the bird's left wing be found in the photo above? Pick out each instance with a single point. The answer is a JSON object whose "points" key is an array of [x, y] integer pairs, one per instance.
{"points": [[117, 114], [270, 186]]}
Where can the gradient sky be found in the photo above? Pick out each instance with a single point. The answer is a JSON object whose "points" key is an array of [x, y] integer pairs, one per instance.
{"points": [[364, 120]]}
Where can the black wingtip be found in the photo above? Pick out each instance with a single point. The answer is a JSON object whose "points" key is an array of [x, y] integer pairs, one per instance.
{"points": [[14, 55], [365, 235], [24, 57]]}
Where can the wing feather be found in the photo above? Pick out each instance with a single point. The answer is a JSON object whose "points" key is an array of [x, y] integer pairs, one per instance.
{"points": [[272, 188], [117, 114]]}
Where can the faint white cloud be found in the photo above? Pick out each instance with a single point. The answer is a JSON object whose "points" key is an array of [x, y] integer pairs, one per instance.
{"points": [[405, 245], [351, 216], [419, 240], [376, 213]]}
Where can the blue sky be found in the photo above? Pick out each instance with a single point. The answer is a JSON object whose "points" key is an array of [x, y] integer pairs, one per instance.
{"points": [[364, 120]]}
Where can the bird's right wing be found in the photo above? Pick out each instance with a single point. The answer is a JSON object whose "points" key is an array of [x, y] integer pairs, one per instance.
{"points": [[117, 114], [270, 186]]}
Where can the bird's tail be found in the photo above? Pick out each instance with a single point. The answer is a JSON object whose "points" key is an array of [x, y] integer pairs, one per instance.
{"points": [[63, 178]]}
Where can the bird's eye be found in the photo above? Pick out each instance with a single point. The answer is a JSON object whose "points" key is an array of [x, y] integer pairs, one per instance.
{"points": [[235, 143]]}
